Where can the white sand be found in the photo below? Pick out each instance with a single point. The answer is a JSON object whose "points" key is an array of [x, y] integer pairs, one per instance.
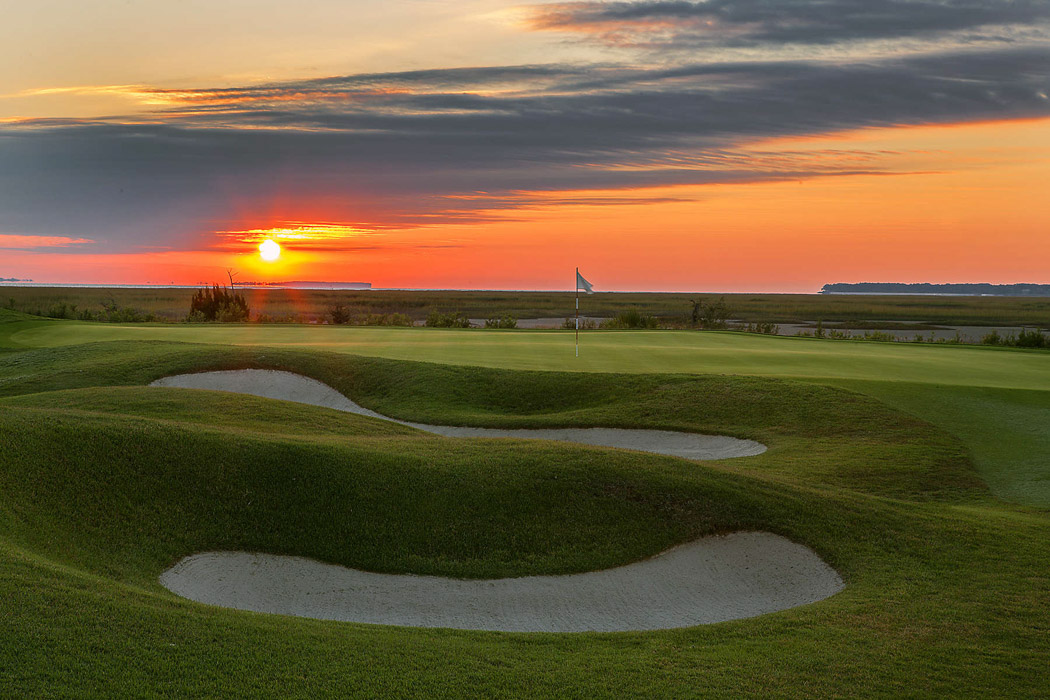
{"points": [[711, 580], [294, 387]]}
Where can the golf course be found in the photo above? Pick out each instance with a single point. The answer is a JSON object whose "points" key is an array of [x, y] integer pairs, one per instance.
{"points": [[905, 487]]}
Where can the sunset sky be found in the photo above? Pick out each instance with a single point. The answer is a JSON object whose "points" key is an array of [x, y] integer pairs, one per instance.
{"points": [[726, 145]]}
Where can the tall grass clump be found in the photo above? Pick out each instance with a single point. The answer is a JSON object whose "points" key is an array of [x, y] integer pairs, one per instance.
{"points": [[339, 314], [501, 322], [1033, 338], [711, 315], [218, 303], [111, 312], [765, 328], [632, 318], [454, 319], [386, 320]]}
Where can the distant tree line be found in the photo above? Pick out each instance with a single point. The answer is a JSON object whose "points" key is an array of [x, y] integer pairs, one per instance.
{"points": [[982, 289]]}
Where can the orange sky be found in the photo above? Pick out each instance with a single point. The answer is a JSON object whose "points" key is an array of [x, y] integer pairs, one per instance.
{"points": [[965, 202], [727, 145]]}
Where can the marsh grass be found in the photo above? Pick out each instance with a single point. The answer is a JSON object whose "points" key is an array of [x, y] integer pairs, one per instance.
{"points": [[304, 306]]}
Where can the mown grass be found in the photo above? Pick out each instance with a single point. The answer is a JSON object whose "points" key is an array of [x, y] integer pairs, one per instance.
{"points": [[104, 483], [640, 352]]}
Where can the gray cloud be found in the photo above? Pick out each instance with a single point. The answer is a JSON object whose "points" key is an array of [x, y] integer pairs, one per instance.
{"points": [[761, 22], [411, 149]]}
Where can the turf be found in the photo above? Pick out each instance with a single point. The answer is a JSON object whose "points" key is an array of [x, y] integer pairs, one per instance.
{"points": [[601, 351], [917, 378], [104, 483]]}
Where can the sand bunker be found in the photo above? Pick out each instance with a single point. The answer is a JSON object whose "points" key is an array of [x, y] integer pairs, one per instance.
{"points": [[287, 386], [711, 580]]}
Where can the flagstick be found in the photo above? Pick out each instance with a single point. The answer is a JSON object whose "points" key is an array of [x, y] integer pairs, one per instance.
{"points": [[577, 312]]}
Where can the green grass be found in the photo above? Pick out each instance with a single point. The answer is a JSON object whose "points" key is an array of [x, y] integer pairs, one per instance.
{"points": [[1006, 430], [601, 351], [104, 483]]}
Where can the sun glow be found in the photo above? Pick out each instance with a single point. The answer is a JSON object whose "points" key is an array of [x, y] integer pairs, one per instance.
{"points": [[269, 250]]}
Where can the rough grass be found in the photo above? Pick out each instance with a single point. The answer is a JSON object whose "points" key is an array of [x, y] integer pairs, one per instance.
{"points": [[174, 304], [104, 483]]}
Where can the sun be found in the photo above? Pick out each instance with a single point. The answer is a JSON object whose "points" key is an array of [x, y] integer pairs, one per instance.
{"points": [[269, 250]]}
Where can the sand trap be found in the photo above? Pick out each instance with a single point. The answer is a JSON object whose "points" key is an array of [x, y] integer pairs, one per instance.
{"points": [[287, 386], [711, 580]]}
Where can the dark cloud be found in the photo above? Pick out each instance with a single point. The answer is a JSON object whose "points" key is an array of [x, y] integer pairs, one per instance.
{"points": [[410, 149], [761, 22]]}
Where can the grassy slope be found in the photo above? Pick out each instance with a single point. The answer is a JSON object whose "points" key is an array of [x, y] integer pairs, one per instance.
{"points": [[100, 488], [933, 382], [1006, 430]]}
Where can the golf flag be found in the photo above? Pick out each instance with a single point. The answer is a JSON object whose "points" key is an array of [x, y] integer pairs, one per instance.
{"points": [[583, 284]]}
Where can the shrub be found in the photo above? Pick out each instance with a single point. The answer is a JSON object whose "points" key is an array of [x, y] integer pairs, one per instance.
{"points": [[339, 313], [111, 312], [217, 303], [286, 318], [993, 338], [880, 336], [588, 324], [436, 319], [1031, 339], [632, 318], [387, 320], [767, 328], [710, 316], [501, 322]]}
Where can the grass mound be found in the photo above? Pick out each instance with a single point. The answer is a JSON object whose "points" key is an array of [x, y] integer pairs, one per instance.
{"points": [[104, 483]]}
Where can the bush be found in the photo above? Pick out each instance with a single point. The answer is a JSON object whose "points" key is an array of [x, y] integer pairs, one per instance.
{"points": [[767, 328], [339, 313], [880, 336], [1031, 339], [436, 319], [588, 324], [632, 318], [387, 320], [217, 303], [710, 316], [501, 322], [1025, 339], [111, 312]]}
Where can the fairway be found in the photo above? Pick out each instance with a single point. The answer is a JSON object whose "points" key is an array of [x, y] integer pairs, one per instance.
{"points": [[930, 381], [907, 489], [601, 351]]}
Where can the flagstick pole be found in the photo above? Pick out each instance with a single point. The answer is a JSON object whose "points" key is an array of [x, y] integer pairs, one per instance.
{"points": [[577, 312]]}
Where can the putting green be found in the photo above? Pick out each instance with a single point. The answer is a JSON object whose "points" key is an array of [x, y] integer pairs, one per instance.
{"points": [[601, 351]]}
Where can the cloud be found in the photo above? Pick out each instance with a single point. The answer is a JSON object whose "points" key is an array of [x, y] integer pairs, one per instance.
{"points": [[464, 146], [16, 241], [733, 23]]}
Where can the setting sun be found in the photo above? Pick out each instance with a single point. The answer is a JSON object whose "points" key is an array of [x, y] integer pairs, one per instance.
{"points": [[269, 250]]}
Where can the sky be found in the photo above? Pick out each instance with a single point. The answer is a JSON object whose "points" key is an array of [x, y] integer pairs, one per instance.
{"points": [[664, 145]]}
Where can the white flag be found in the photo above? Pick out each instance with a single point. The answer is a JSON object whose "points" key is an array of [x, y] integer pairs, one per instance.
{"points": [[583, 284]]}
